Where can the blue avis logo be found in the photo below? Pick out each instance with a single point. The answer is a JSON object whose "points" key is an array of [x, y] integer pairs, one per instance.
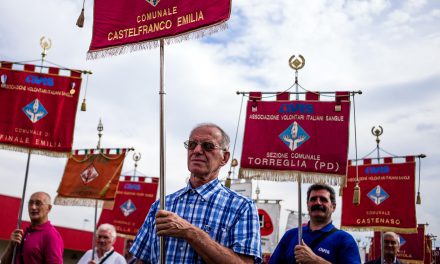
{"points": [[35, 111], [378, 195], [33, 79], [128, 208], [377, 170], [294, 136]]}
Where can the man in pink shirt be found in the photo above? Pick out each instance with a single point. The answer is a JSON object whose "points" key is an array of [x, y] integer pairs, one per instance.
{"points": [[41, 242]]}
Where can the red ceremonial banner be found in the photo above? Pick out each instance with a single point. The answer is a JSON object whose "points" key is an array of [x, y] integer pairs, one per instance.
{"points": [[38, 110], [412, 246], [283, 138], [387, 198], [132, 203], [118, 23], [90, 177], [269, 215]]}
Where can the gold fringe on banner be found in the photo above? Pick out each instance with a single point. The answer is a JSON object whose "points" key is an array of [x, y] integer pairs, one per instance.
{"points": [[380, 228], [36, 151], [288, 175], [407, 261], [150, 44], [62, 200]]}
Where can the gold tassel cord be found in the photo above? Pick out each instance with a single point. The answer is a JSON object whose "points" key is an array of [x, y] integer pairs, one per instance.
{"points": [[419, 199], [228, 182], [357, 195], [83, 105], [80, 20]]}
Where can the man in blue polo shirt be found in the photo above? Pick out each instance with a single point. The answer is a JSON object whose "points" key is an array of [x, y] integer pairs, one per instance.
{"points": [[321, 241]]}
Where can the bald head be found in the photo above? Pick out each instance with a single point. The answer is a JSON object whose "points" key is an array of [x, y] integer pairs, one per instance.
{"points": [[39, 206]]}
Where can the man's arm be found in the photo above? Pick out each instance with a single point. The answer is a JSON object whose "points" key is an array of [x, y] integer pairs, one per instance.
{"points": [[15, 239], [170, 224]]}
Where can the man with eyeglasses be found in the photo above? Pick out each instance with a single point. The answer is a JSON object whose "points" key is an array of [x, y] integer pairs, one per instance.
{"points": [[205, 221], [41, 242], [391, 248]]}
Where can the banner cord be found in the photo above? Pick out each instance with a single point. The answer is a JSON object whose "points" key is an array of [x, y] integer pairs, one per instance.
{"points": [[236, 135]]}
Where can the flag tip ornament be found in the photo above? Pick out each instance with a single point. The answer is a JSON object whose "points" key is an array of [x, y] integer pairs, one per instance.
{"points": [[357, 195]]}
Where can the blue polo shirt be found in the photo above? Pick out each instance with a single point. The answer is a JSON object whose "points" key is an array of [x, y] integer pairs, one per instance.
{"points": [[339, 247]]}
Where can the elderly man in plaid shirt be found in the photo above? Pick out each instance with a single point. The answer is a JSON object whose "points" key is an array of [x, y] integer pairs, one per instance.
{"points": [[204, 222]]}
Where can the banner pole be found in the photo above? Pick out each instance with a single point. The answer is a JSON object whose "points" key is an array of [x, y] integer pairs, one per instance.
{"points": [[94, 229], [378, 132], [299, 209], [162, 146], [20, 215]]}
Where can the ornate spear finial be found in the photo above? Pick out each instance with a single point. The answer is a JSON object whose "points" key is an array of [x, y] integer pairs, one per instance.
{"points": [[136, 158], [297, 64], [100, 128]]}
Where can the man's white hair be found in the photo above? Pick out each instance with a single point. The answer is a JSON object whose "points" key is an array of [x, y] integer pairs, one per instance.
{"points": [[394, 235], [108, 227]]}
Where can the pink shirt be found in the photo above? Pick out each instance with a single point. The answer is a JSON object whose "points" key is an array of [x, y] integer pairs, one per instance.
{"points": [[41, 244]]}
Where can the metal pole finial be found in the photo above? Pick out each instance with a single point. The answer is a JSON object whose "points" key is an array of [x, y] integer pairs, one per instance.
{"points": [[377, 132], [100, 128], [136, 158], [45, 44], [297, 64]]}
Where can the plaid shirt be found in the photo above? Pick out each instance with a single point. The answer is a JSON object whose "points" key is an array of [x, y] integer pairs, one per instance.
{"points": [[230, 219]]}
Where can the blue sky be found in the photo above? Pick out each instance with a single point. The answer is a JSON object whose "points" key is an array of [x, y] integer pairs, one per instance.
{"points": [[388, 49]]}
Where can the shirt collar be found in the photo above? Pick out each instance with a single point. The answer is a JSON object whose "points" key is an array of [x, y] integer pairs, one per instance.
{"points": [[325, 229], [39, 227], [206, 190]]}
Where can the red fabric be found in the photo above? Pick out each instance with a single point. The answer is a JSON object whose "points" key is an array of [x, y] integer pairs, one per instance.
{"points": [[53, 70], [120, 22], [428, 250], [397, 212], [283, 96], [312, 96], [388, 160], [73, 239], [29, 67], [24, 125], [412, 246], [86, 176], [142, 195], [321, 144]]}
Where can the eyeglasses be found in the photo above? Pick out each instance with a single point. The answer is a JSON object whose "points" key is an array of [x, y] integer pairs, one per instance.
{"points": [[36, 203], [206, 145]]}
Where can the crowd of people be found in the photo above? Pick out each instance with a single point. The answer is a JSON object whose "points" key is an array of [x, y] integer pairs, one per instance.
{"points": [[204, 222]]}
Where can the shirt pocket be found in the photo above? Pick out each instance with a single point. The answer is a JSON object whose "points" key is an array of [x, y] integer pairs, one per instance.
{"points": [[218, 232]]}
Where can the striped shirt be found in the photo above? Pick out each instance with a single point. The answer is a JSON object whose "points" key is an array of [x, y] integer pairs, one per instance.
{"points": [[229, 218]]}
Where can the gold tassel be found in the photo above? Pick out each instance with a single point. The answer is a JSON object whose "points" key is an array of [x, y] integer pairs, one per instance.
{"points": [[104, 190], [80, 21], [228, 182], [341, 191], [83, 105], [419, 199], [357, 195]]}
